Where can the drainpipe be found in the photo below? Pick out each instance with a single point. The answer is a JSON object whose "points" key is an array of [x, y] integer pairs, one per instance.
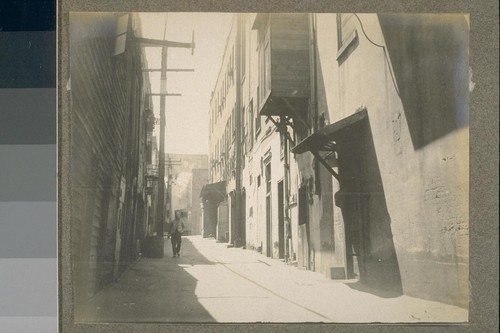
{"points": [[236, 222], [314, 118], [313, 69], [286, 192]]}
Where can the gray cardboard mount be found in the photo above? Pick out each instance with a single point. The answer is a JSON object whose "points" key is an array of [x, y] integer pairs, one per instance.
{"points": [[483, 159]]}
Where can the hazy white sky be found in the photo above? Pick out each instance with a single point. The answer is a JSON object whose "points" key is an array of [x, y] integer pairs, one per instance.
{"points": [[187, 116]]}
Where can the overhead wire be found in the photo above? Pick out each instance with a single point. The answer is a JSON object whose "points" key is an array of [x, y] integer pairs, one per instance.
{"points": [[165, 28], [385, 54]]}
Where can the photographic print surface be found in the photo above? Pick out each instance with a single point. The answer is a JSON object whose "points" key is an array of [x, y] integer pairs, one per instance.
{"points": [[269, 167]]}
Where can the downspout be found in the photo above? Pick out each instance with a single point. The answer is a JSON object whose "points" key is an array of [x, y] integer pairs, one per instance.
{"points": [[238, 151], [312, 64], [286, 192], [313, 111]]}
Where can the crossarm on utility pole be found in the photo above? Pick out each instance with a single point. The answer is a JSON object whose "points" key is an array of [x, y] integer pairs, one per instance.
{"points": [[162, 43], [169, 70], [164, 94]]}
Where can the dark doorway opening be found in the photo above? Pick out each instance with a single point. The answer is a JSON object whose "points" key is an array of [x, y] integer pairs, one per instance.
{"points": [[243, 218], [233, 223], [370, 253], [269, 238], [281, 221], [304, 227]]}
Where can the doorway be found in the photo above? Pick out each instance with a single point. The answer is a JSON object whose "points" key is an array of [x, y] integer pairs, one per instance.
{"points": [[354, 201], [281, 221], [243, 213], [269, 238], [304, 259]]}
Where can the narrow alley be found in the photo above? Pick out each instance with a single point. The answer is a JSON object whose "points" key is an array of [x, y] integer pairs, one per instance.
{"points": [[280, 138], [210, 282]]}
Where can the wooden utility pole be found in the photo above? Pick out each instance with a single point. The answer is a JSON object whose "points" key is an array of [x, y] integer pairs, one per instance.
{"points": [[157, 247], [161, 165]]}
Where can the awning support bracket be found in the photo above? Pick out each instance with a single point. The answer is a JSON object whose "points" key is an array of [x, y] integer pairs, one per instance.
{"points": [[281, 126], [325, 164], [295, 113]]}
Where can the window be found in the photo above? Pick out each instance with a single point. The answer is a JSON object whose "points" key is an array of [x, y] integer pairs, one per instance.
{"points": [[244, 125], [232, 63], [257, 119], [233, 124], [250, 124], [268, 178], [346, 32], [243, 45], [303, 205], [267, 67], [282, 146], [121, 35]]}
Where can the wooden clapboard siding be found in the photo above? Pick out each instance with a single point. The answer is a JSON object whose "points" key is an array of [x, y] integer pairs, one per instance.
{"points": [[289, 63], [290, 55], [105, 122], [290, 73]]}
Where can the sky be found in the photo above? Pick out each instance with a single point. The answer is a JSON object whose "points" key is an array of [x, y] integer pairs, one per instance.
{"points": [[186, 128]]}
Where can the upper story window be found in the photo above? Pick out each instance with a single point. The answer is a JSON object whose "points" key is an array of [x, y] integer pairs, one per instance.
{"points": [[268, 178], [121, 35], [233, 125], [250, 124], [243, 45], [257, 123], [264, 62], [347, 34]]}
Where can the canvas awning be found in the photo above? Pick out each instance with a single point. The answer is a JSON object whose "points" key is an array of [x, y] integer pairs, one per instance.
{"points": [[214, 190], [326, 138]]}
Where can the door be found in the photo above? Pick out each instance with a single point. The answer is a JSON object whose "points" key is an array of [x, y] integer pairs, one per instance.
{"points": [[269, 238], [243, 214], [303, 228], [355, 202], [281, 221]]}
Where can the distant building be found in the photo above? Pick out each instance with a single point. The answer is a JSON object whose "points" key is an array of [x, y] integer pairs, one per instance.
{"points": [[198, 180], [222, 196], [188, 173]]}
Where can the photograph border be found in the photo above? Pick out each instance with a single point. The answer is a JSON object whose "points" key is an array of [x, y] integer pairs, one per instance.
{"points": [[483, 131]]}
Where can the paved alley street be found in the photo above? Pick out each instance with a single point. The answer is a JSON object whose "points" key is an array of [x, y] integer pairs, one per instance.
{"points": [[212, 283]]}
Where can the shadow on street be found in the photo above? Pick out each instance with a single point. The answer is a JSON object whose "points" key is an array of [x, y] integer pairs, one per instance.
{"points": [[152, 290]]}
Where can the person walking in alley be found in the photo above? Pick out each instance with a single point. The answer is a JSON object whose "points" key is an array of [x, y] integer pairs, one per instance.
{"points": [[176, 230]]}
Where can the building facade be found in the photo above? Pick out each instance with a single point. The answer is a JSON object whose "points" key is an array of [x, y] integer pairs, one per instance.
{"points": [[187, 174], [222, 196], [198, 180], [111, 132], [354, 146]]}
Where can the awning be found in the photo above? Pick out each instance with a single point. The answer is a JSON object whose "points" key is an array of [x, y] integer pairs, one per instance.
{"points": [[214, 190], [324, 139]]}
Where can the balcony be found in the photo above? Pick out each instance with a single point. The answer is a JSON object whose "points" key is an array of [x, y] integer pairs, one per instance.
{"points": [[284, 79]]}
